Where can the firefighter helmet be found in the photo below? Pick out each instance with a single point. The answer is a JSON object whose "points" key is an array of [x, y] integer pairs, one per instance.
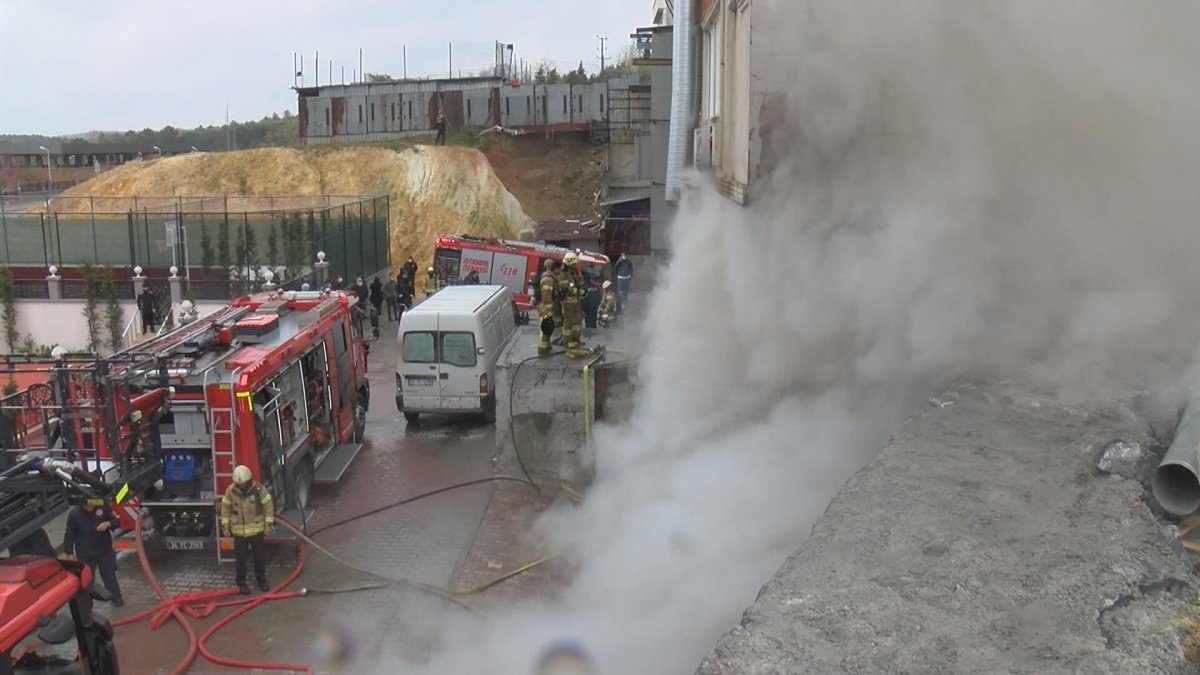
{"points": [[548, 264], [241, 474], [606, 285], [430, 270], [570, 259], [94, 502]]}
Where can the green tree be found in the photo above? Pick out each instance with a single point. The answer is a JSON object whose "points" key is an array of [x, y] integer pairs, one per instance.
{"points": [[273, 241], [314, 236], [208, 255], [113, 314], [224, 259], [577, 76], [294, 246], [91, 305], [250, 241], [8, 310]]}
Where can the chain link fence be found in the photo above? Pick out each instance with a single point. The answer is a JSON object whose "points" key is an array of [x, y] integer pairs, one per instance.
{"points": [[221, 244]]}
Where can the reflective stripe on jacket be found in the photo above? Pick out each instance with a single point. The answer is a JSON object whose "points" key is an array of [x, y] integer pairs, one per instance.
{"points": [[247, 512]]}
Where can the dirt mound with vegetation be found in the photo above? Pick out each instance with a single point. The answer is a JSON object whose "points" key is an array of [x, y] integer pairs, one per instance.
{"points": [[553, 177], [431, 190]]}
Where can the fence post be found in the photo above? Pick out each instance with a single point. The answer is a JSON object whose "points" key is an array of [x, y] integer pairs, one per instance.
{"points": [[54, 284], [176, 286]]}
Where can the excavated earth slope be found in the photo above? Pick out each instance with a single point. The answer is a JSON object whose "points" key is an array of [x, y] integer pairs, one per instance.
{"points": [[432, 190], [982, 540]]}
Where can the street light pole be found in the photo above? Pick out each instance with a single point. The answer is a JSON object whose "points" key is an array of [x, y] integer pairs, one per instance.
{"points": [[158, 149], [49, 171]]}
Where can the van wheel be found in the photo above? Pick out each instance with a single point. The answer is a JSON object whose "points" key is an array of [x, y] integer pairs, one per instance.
{"points": [[412, 418], [489, 412], [302, 484]]}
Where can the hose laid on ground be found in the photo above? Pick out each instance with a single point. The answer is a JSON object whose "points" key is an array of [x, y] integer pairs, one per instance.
{"points": [[181, 606]]}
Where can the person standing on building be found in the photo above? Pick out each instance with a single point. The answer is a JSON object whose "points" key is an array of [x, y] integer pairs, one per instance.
{"points": [[624, 271], [440, 125], [547, 304], [147, 305], [247, 515], [88, 538], [431, 282], [571, 293]]}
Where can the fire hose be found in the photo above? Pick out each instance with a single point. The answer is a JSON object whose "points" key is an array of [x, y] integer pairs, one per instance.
{"points": [[201, 604]]}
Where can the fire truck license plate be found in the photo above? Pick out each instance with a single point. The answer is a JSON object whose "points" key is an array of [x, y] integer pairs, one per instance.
{"points": [[185, 544]]}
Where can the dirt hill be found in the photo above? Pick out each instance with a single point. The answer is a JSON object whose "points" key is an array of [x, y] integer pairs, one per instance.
{"points": [[432, 190], [555, 177]]}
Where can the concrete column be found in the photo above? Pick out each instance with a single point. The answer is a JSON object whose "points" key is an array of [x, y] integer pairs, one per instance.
{"points": [[176, 287], [54, 284], [139, 281], [322, 269]]}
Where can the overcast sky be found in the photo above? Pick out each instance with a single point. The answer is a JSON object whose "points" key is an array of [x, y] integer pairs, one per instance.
{"points": [[77, 65]]}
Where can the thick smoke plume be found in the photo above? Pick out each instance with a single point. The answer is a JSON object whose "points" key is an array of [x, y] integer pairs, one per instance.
{"points": [[957, 189]]}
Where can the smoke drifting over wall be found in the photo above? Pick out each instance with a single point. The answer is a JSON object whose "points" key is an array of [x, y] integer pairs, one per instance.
{"points": [[960, 189]]}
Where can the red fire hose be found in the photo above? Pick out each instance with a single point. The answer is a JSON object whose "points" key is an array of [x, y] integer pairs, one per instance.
{"points": [[200, 604]]}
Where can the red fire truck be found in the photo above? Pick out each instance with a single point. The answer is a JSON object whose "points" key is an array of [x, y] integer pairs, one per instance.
{"points": [[506, 262], [274, 381]]}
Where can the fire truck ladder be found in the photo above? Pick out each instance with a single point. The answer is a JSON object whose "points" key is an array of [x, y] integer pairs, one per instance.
{"points": [[222, 424]]}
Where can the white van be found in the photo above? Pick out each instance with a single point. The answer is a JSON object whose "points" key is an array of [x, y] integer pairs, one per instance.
{"points": [[449, 347]]}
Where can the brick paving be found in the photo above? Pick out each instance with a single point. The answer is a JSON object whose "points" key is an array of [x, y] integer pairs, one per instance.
{"points": [[459, 538]]}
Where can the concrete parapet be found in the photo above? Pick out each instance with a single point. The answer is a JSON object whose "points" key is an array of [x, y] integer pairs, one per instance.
{"points": [[547, 408]]}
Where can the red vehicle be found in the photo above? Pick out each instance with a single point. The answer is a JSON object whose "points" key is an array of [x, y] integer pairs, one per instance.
{"points": [[276, 382], [506, 262], [36, 636]]}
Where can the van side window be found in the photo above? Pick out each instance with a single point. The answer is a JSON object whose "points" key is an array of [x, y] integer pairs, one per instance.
{"points": [[458, 349], [419, 347]]}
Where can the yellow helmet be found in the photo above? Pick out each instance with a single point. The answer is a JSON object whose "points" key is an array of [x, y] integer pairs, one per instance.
{"points": [[548, 264], [94, 502], [241, 474], [570, 259]]}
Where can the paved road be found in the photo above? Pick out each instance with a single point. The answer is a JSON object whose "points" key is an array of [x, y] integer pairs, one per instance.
{"points": [[428, 541]]}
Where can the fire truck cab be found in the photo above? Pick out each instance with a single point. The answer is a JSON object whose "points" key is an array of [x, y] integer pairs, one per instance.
{"points": [[506, 262], [276, 382]]}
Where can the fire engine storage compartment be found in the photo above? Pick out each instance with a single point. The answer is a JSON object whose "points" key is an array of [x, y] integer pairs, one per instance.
{"points": [[550, 407]]}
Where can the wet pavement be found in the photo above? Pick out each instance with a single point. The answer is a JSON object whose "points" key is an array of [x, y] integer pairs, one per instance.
{"points": [[457, 538]]}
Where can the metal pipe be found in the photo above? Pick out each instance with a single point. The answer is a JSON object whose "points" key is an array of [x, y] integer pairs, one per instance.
{"points": [[1176, 481], [679, 140]]}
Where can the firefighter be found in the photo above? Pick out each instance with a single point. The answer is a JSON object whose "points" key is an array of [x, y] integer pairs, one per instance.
{"points": [[247, 514], [431, 284], [549, 309], [88, 537], [571, 292], [608, 306]]}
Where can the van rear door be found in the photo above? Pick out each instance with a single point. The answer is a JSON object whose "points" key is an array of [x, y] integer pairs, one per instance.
{"points": [[458, 364], [419, 358]]}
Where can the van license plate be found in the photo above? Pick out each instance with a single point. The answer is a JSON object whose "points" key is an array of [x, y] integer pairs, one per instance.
{"points": [[421, 381], [176, 544]]}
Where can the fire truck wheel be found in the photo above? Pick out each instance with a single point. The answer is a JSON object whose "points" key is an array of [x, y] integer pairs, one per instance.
{"points": [[360, 420], [302, 483], [412, 418]]}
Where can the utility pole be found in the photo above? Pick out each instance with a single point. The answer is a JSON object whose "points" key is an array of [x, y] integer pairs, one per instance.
{"points": [[451, 76], [404, 55], [602, 54]]}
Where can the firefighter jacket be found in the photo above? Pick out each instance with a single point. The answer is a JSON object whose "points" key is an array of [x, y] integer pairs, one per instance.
{"points": [[431, 285], [247, 512], [570, 287], [609, 304], [548, 287]]}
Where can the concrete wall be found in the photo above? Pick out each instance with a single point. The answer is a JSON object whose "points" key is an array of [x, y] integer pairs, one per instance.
{"points": [[61, 322], [547, 411]]}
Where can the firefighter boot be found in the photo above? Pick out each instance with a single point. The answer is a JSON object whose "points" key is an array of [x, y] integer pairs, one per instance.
{"points": [[546, 330], [263, 585]]}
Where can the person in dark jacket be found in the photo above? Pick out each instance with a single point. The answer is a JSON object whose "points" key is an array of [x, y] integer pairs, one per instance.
{"points": [[360, 288], [376, 295], [88, 538], [147, 304], [408, 272]]}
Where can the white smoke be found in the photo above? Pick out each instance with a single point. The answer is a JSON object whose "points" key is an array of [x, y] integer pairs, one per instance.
{"points": [[959, 189]]}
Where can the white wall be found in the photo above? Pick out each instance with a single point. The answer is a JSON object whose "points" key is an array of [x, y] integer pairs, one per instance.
{"points": [[61, 322]]}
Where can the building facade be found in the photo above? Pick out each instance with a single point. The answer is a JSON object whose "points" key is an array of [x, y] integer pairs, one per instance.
{"points": [[396, 108], [731, 107], [59, 164]]}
